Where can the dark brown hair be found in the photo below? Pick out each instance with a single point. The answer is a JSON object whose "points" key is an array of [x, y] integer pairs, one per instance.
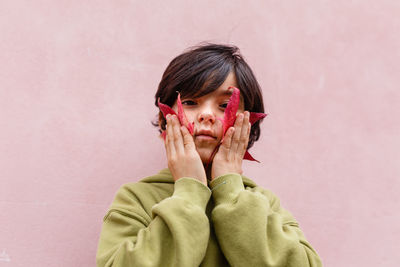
{"points": [[201, 70]]}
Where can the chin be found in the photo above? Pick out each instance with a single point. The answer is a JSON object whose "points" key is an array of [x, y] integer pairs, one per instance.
{"points": [[205, 155]]}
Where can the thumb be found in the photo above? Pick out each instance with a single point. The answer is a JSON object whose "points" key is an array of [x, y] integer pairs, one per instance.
{"points": [[187, 138]]}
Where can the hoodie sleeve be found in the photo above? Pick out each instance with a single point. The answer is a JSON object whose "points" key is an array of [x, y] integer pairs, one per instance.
{"points": [[254, 230], [176, 234]]}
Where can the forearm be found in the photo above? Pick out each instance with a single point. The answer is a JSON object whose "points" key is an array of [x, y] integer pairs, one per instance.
{"points": [[176, 235], [253, 233]]}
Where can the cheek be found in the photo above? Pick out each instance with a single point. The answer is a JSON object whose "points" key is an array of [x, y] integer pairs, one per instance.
{"points": [[241, 107], [190, 115]]}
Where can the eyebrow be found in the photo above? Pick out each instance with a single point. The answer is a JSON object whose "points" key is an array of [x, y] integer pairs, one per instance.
{"points": [[226, 93], [229, 92]]}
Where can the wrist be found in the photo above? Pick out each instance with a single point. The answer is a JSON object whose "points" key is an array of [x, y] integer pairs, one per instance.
{"points": [[226, 188], [200, 178], [192, 190], [220, 173]]}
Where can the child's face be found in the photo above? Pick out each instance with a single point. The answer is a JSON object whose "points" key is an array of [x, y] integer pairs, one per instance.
{"points": [[204, 111]]}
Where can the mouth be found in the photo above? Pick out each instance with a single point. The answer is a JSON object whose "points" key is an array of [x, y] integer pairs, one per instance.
{"points": [[205, 135]]}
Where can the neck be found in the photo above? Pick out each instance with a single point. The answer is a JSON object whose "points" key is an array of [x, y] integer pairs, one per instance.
{"points": [[207, 168]]}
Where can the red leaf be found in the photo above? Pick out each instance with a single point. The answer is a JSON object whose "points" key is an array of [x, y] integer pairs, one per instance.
{"points": [[182, 116], [249, 157], [164, 134], [165, 109], [230, 118], [256, 116], [231, 109]]}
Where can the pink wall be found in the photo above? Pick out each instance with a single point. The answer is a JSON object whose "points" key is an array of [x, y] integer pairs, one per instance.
{"points": [[77, 82]]}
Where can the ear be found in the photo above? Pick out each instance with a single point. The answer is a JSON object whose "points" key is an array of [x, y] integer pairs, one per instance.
{"points": [[161, 121], [159, 125], [160, 136]]}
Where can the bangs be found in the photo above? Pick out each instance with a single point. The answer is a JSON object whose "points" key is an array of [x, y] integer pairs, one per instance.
{"points": [[206, 80]]}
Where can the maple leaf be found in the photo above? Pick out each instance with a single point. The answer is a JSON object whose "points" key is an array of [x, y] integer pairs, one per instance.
{"points": [[230, 118], [165, 109]]}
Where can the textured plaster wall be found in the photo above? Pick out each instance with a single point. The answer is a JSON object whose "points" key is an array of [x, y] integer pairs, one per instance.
{"points": [[77, 80]]}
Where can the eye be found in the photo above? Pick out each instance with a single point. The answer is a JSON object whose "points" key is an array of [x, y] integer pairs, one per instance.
{"points": [[188, 102], [224, 105]]}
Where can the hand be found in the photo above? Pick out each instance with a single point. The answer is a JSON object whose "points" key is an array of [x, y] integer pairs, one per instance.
{"points": [[230, 153], [183, 159]]}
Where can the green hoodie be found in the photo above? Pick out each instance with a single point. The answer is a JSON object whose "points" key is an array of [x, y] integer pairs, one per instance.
{"points": [[159, 222]]}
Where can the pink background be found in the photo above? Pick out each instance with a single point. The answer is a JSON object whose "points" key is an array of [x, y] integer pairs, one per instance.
{"points": [[77, 83]]}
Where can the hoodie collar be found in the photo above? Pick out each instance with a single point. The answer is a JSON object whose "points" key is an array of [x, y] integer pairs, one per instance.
{"points": [[164, 176]]}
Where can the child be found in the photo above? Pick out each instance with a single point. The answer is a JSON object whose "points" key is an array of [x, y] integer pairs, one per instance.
{"points": [[201, 211]]}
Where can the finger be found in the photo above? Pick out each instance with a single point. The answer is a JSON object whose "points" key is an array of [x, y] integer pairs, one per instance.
{"points": [[188, 142], [236, 135], [170, 138], [226, 144], [244, 135], [178, 141], [166, 142]]}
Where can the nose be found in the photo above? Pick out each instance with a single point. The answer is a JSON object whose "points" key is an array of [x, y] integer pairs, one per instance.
{"points": [[206, 116]]}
